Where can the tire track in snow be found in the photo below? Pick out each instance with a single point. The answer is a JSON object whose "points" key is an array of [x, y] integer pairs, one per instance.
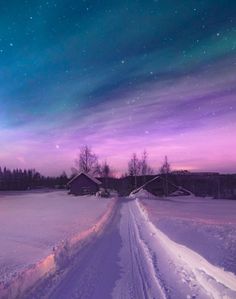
{"points": [[138, 279]]}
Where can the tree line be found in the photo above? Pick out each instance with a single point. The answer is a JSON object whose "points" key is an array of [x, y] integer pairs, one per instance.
{"points": [[23, 179], [86, 161]]}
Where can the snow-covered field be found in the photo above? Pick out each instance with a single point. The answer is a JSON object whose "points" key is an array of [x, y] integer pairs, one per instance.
{"points": [[32, 223], [204, 225], [181, 271], [133, 258], [175, 248]]}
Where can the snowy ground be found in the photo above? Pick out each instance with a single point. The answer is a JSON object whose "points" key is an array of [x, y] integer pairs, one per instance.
{"points": [[133, 259], [32, 223], [181, 272], [150, 248], [204, 225]]}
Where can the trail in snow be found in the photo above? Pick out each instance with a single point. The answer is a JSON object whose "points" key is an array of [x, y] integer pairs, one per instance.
{"points": [[132, 259], [92, 273], [138, 279]]}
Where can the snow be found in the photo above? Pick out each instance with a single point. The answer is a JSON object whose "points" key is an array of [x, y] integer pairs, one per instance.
{"points": [[133, 258], [154, 266], [204, 225], [183, 266], [142, 193], [32, 224], [138, 278]]}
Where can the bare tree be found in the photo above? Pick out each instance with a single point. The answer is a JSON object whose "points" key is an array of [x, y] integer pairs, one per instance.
{"points": [[143, 163], [145, 169], [87, 161], [134, 168], [105, 170], [134, 165], [165, 170]]}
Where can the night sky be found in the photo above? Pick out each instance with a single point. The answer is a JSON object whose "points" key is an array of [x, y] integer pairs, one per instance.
{"points": [[120, 76]]}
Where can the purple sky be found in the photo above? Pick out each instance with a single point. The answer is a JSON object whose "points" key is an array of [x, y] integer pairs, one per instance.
{"points": [[191, 119], [76, 75]]}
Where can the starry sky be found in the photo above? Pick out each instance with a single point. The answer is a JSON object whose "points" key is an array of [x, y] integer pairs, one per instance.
{"points": [[120, 76]]}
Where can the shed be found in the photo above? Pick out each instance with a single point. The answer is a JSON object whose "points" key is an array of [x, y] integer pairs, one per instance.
{"points": [[83, 184], [160, 186]]}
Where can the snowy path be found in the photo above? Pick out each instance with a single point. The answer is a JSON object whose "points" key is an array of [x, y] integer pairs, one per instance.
{"points": [[132, 259], [93, 272], [138, 278]]}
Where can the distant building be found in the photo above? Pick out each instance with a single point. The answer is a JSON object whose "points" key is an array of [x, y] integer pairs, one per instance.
{"points": [[160, 186], [83, 184]]}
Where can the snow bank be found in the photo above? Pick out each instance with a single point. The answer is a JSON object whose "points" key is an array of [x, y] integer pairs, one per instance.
{"points": [[206, 226], [197, 274], [52, 227], [205, 210], [142, 193]]}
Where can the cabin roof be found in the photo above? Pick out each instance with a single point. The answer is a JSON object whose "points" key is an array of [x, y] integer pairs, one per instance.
{"points": [[96, 181]]}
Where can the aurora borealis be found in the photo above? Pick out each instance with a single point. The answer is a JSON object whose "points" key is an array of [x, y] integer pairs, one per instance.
{"points": [[120, 76]]}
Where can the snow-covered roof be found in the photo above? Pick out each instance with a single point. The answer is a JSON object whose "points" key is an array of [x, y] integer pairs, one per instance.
{"points": [[155, 178], [144, 185], [87, 175], [158, 177]]}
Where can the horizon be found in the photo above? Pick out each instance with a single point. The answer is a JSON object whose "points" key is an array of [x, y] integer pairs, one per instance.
{"points": [[118, 175], [121, 78]]}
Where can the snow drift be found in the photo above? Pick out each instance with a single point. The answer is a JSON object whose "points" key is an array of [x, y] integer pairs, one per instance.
{"points": [[207, 226], [59, 257], [142, 193], [201, 277]]}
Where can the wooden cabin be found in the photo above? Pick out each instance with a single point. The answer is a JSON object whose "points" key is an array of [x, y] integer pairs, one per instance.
{"points": [[83, 184]]}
